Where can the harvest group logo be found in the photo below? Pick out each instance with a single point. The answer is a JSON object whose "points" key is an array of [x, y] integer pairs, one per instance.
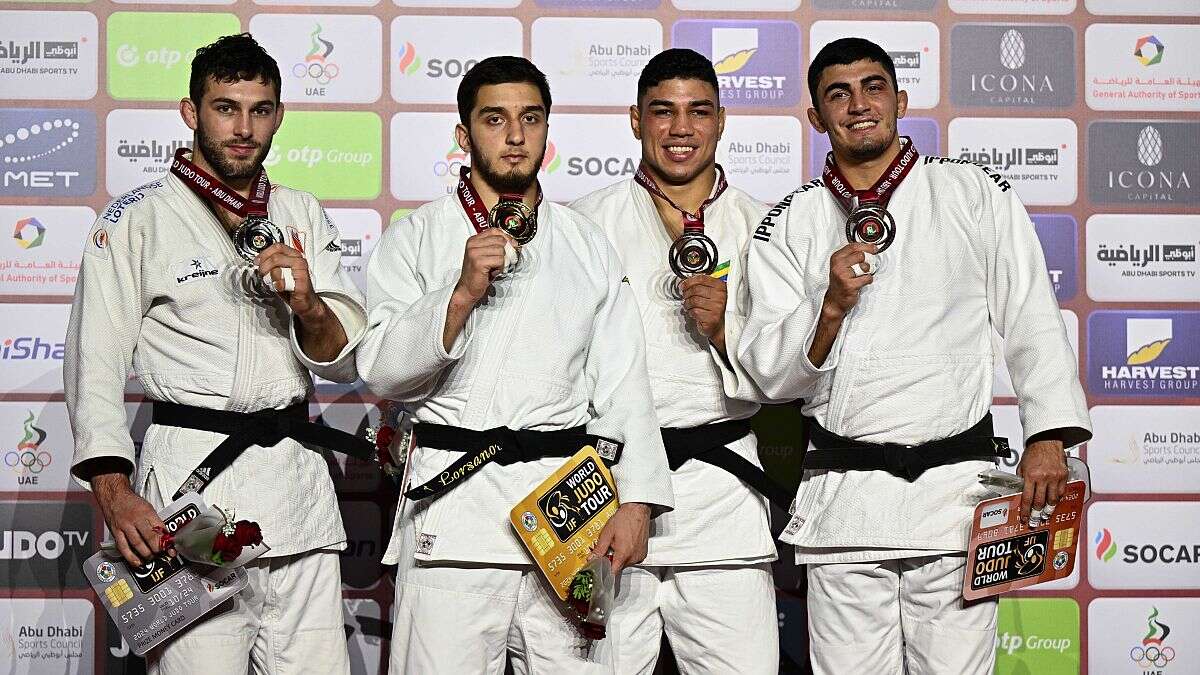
{"points": [[1159, 355], [757, 62]]}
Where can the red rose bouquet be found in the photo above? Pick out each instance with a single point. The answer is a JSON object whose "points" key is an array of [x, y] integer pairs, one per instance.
{"points": [[216, 539]]}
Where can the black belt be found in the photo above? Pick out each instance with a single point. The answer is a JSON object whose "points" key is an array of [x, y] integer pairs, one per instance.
{"points": [[707, 444], [502, 446], [831, 451], [264, 428]]}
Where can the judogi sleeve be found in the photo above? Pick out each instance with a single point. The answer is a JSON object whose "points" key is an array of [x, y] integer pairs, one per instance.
{"points": [[105, 323], [1024, 311], [784, 312], [735, 380], [402, 354], [621, 400], [341, 296]]}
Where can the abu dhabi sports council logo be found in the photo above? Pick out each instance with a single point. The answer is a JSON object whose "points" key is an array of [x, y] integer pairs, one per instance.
{"points": [[1152, 652], [409, 61], [1135, 161], [1106, 547], [27, 459], [29, 233], [1149, 50], [1144, 353], [317, 69], [1022, 66], [47, 152], [757, 62]]}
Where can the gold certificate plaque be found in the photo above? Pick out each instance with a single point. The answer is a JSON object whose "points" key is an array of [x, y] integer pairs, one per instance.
{"points": [[561, 519]]}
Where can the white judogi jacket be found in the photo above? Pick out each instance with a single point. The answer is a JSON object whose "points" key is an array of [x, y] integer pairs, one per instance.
{"points": [[913, 361], [717, 518], [163, 293], [558, 345]]}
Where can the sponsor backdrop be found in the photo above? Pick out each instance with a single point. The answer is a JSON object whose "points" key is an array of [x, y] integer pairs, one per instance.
{"points": [[1087, 106]]}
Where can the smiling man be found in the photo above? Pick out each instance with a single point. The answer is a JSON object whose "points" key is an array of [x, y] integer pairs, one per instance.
{"points": [[223, 337], [874, 292], [707, 577], [508, 348]]}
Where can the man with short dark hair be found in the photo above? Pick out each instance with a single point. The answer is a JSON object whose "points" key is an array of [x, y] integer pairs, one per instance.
{"points": [[707, 577], [513, 343], [222, 315], [888, 340]]}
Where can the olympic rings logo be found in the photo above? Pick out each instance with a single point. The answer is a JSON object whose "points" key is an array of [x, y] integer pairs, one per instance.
{"points": [[322, 72], [1152, 656], [447, 169], [27, 461]]}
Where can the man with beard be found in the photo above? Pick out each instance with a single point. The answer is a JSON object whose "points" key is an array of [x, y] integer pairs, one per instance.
{"points": [[223, 344], [888, 339], [513, 350], [707, 576]]}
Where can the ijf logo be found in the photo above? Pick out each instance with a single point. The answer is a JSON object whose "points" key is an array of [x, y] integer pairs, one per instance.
{"points": [[47, 152], [29, 233], [1149, 50], [28, 460], [317, 70], [757, 62], [1151, 652], [1153, 362]]}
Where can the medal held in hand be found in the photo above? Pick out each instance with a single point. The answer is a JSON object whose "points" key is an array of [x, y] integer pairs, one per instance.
{"points": [[867, 218], [255, 235], [514, 217], [693, 252]]}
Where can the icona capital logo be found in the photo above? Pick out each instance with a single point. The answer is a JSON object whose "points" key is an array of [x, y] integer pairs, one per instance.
{"points": [[1012, 49], [1106, 547], [409, 61], [1149, 146], [1152, 653], [1149, 50], [29, 233]]}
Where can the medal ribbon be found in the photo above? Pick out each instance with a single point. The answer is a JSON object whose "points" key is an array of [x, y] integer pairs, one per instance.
{"points": [[207, 186], [472, 203], [692, 222], [879, 193]]}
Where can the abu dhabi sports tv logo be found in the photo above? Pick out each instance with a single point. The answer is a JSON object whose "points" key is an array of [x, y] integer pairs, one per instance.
{"points": [[1143, 258], [1144, 353], [48, 55], [47, 152], [757, 62], [1143, 161], [1024, 66]]}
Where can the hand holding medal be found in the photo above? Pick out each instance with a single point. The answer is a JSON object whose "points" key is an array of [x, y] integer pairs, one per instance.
{"points": [[510, 215], [692, 252]]}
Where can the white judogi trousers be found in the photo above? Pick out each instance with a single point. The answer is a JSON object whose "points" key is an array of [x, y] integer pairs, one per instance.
{"points": [[719, 619], [287, 620], [469, 618], [898, 616]]}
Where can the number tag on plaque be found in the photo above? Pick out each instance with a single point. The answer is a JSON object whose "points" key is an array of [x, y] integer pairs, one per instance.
{"points": [[560, 521]]}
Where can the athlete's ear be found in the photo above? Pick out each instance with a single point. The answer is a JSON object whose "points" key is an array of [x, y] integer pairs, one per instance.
{"points": [[278, 117], [720, 122], [635, 121], [814, 118], [187, 110], [463, 136], [901, 104]]}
